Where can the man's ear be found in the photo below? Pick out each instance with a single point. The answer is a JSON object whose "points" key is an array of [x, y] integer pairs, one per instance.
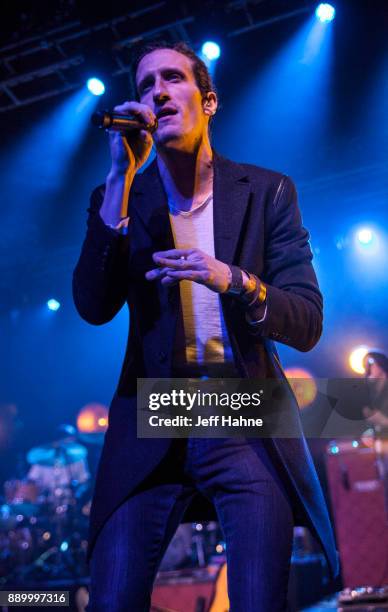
{"points": [[210, 103]]}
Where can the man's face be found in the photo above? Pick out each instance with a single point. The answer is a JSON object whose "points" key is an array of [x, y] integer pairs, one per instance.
{"points": [[166, 83]]}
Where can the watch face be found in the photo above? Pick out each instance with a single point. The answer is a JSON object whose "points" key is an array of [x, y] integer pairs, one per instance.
{"points": [[236, 285]]}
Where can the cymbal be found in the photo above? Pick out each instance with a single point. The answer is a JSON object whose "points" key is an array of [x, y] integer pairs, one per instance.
{"points": [[56, 454]]}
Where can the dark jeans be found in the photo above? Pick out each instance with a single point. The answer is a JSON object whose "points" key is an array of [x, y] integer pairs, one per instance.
{"points": [[253, 510]]}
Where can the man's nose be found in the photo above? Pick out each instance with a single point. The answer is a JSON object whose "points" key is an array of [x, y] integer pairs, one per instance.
{"points": [[160, 92]]}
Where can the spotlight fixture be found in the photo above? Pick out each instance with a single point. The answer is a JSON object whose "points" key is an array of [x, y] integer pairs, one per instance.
{"points": [[365, 236], [95, 86], [367, 241], [356, 358], [325, 12], [53, 304], [211, 50]]}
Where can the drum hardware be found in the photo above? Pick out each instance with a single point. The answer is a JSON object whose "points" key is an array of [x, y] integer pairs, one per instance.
{"points": [[43, 524], [208, 543], [199, 544], [363, 595], [60, 453]]}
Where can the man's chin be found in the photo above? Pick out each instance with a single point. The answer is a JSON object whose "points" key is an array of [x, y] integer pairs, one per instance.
{"points": [[168, 139]]}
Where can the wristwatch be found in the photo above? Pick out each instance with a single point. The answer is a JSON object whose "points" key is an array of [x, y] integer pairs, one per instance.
{"points": [[254, 292], [236, 286]]}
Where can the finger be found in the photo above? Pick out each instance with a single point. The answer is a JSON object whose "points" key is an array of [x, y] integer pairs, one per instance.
{"points": [[155, 274], [175, 264], [181, 264], [135, 108], [191, 275], [173, 253]]}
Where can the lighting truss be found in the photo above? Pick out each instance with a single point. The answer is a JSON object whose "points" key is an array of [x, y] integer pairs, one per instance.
{"points": [[55, 62]]}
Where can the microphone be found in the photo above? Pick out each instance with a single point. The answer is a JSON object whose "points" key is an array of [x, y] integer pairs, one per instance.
{"points": [[121, 123]]}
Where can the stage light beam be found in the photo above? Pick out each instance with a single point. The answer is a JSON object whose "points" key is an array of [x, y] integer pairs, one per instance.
{"points": [[95, 86], [211, 50], [356, 358], [325, 12], [53, 304]]}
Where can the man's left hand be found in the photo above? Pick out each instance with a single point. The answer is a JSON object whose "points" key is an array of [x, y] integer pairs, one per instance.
{"points": [[190, 264]]}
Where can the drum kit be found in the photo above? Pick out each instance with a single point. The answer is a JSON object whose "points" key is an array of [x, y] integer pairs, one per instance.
{"points": [[44, 516]]}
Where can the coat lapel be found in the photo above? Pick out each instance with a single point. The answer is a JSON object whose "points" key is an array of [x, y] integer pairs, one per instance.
{"points": [[150, 203], [231, 191], [231, 197]]}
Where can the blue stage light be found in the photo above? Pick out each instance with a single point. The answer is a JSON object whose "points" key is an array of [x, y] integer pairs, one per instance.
{"points": [[95, 86], [368, 241], [53, 304], [211, 50], [325, 12], [365, 236]]}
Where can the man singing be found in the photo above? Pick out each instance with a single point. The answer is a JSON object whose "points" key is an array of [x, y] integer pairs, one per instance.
{"points": [[213, 261]]}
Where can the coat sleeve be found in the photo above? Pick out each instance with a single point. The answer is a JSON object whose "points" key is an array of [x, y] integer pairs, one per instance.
{"points": [[294, 303], [100, 278]]}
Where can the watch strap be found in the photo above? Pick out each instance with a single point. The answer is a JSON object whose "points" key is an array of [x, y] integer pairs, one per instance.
{"points": [[236, 286]]}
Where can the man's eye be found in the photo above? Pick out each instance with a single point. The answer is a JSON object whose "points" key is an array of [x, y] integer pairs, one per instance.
{"points": [[145, 86], [174, 76]]}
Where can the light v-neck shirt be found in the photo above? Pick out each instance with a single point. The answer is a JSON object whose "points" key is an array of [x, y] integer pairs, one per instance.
{"points": [[205, 340]]}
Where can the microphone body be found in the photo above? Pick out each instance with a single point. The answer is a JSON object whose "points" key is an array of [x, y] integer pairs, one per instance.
{"points": [[120, 123]]}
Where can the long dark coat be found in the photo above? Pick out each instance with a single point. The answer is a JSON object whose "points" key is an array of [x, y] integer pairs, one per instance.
{"points": [[257, 226]]}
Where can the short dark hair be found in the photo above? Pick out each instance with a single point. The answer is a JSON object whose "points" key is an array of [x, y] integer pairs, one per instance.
{"points": [[200, 70]]}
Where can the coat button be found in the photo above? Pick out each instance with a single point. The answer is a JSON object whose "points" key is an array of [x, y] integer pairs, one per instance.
{"points": [[162, 356]]}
